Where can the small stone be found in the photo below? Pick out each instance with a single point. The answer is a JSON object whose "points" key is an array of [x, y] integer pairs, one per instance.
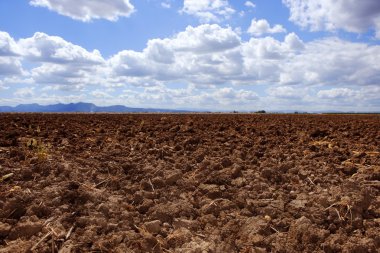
{"points": [[267, 217], [183, 223], [145, 185], [303, 174], [65, 142], [267, 173], [259, 250], [173, 177], [226, 162], [4, 229], [153, 227], [104, 209], [236, 172], [158, 182], [239, 182], [298, 203]]}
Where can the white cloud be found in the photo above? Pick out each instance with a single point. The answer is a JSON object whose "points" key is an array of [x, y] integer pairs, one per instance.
{"points": [[199, 54], [208, 10], [214, 62], [100, 94], [211, 55], [286, 92], [330, 15], [158, 95], [294, 42], [24, 92], [226, 95], [130, 63], [335, 62], [165, 5], [372, 93], [86, 11], [10, 66], [206, 39], [61, 63], [337, 93], [261, 27], [9, 50], [249, 4], [44, 48], [261, 50], [8, 46], [349, 98], [209, 98], [227, 98], [187, 53], [67, 77]]}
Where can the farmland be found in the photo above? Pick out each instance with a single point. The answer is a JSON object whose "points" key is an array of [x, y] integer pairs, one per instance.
{"points": [[189, 183]]}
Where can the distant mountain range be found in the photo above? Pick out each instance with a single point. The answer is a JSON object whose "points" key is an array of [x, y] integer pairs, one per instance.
{"points": [[89, 107], [79, 107]]}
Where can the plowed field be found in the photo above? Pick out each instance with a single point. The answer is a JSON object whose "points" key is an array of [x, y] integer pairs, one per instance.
{"points": [[189, 183]]}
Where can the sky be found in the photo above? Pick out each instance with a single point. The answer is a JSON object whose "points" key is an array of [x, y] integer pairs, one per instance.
{"points": [[301, 55]]}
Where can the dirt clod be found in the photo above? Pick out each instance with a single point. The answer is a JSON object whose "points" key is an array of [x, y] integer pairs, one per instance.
{"points": [[153, 227], [25, 229]]}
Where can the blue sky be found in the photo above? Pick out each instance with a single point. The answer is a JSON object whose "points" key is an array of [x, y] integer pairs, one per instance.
{"points": [[304, 55]]}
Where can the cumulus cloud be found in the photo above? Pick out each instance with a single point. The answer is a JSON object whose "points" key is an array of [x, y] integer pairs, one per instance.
{"points": [[44, 48], [86, 11], [26, 92], [337, 93], [249, 4], [9, 62], [61, 63], [214, 62], [208, 10], [165, 5], [333, 61], [212, 55], [330, 15], [286, 92], [261, 26], [350, 98], [100, 94], [294, 42], [187, 52], [209, 98], [206, 39], [10, 66], [130, 63], [68, 77], [8, 46], [304, 98], [158, 95], [226, 95], [55, 74], [197, 54]]}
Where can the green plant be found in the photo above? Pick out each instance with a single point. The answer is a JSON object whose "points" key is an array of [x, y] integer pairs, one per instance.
{"points": [[38, 148]]}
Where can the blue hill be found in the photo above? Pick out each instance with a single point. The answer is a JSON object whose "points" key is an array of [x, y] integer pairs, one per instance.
{"points": [[79, 107]]}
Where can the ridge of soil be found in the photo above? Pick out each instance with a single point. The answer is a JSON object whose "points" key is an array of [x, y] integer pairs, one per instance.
{"points": [[189, 183]]}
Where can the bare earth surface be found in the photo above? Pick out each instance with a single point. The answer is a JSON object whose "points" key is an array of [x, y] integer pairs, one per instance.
{"points": [[189, 183]]}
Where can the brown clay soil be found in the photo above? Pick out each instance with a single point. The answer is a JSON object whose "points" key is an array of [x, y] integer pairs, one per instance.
{"points": [[189, 183]]}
